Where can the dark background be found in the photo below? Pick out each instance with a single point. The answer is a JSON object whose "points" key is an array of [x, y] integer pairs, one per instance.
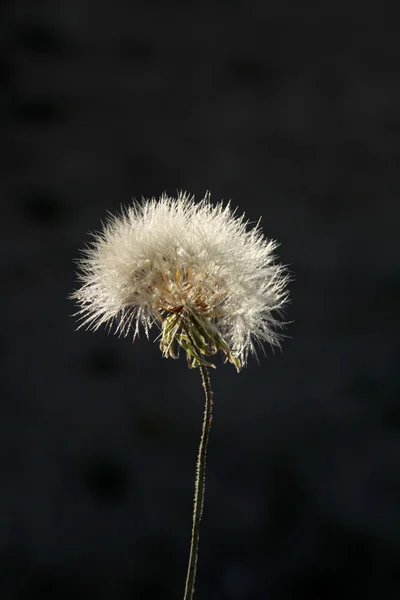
{"points": [[291, 109]]}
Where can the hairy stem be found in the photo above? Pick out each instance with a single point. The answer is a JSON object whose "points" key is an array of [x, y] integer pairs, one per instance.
{"points": [[199, 485]]}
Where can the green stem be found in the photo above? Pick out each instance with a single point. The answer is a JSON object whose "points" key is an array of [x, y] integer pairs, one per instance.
{"points": [[199, 485]]}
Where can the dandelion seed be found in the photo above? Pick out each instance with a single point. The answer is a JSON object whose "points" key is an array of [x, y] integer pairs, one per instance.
{"points": [[194, 270]]}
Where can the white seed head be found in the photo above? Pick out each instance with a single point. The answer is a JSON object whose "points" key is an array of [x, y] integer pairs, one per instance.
{"points": [[195, 269]]}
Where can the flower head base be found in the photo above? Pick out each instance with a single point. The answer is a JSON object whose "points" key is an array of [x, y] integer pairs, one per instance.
{"points": [[193, 268], [197, 336]]}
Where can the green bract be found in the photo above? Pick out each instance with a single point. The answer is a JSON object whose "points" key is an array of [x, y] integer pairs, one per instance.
{"points": [[198, 336]]}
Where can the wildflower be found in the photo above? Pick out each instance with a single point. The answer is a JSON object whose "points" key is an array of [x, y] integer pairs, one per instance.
{"points": [[194, 269], [197, 271]]}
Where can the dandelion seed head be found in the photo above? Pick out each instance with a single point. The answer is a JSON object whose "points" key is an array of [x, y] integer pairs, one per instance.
{"points": [[193, 268]]}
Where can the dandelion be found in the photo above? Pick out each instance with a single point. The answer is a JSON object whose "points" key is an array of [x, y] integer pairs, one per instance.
{"points": [[196, 271]]}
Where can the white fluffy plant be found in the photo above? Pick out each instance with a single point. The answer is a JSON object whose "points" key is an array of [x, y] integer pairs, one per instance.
{"points": [[196, 271]]}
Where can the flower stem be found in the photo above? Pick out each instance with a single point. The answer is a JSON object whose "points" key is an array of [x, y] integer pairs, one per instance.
{"points": [[199, 484]]}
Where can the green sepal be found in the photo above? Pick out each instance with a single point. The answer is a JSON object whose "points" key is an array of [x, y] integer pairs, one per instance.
{"points": [[198, 336]]}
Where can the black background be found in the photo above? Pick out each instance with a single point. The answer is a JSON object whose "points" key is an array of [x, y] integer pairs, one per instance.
{"points": [[291, 109]]}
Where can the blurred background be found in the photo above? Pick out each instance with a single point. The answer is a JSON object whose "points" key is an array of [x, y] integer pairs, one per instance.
{"points": [[291, 110]]}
